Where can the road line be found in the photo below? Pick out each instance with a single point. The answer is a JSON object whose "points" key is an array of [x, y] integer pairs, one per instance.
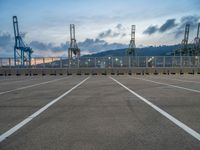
{"points": [[28, 119], [175, 86], [180, 80], [168, 116], [29, 86]]}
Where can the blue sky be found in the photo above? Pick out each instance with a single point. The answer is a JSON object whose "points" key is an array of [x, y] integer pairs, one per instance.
{"points": [[46, 23]]}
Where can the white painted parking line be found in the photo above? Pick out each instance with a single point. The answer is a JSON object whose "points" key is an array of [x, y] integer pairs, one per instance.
{"points": [[179, 80], [168, 116], [28, 119], [174, 86], [33, 85]]}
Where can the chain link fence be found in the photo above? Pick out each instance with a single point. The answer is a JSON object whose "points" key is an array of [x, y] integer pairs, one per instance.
{"points": [[107, 62]]}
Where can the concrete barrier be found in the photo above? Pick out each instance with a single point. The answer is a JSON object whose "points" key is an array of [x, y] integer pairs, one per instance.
{"points": [[96, 71]]}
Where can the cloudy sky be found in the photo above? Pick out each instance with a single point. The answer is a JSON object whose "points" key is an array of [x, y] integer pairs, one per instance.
{"points": [[100, 24]]}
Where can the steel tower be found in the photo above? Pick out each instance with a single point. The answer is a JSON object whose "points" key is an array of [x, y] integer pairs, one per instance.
{"points": [[131, 51], [197, 42], [22, 53], [184, 49], [184, 43], [73, 50]]}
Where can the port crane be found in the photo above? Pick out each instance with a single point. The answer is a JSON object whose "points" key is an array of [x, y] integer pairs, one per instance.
{"points": [[22, 52]]}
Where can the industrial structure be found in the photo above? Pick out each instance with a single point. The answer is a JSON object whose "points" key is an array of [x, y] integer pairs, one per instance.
{"points": [[22, 53], [131, 51], [197, 42], [73, 50], [132, 63], [186, 48]]}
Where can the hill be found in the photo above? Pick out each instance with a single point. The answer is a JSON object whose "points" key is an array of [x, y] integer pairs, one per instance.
{"points": [[164, 50]]}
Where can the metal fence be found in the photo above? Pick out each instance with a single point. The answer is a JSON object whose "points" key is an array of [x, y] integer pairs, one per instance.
{"points": [[107, 62]]}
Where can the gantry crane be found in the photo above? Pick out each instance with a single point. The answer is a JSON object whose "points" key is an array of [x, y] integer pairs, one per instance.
{"points": [[73, 50], [184, 50], [196, 48], [22, 53], [131, 51]]}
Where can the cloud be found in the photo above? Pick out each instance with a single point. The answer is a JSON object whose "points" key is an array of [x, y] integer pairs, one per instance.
{"points": [[48, 46], [178, 28], [119, 26], [6, 44], [97, 45], [5, 40], [39, 48], [192, 20], [40, 45], [118, 31], [169, 24], [151, 30], [107, 33], [87, 46]]}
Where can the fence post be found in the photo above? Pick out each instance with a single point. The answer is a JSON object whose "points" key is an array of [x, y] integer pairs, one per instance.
{"points": [[198, 61], [105, 64], [181, 61], [60, 62], [190, 61], [9, 62], [146, 60], [35, 62], [43, 62], [0, 62], [78, 61], [112, 61], [51, 62], [95, 62], [164, 61]]}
